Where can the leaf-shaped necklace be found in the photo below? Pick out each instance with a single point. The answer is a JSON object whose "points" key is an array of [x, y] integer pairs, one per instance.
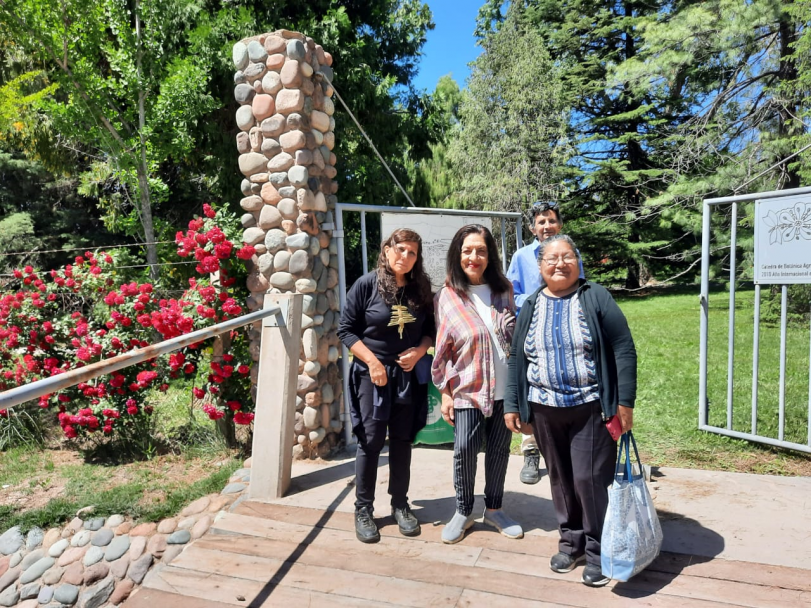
{"points": [[400, 315]]}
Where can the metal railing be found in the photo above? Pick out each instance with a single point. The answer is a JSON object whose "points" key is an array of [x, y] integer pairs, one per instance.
{"points": [[46, 386], [278, 369], [703, 400]]}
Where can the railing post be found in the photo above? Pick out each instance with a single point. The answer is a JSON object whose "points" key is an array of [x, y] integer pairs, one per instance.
{"points": [[276, 398]]}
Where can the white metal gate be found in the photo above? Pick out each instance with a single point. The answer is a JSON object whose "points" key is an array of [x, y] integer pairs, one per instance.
{"points": [[758, 365]]}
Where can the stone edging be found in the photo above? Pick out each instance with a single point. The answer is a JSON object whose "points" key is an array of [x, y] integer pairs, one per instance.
{"points": [[95, 562]]}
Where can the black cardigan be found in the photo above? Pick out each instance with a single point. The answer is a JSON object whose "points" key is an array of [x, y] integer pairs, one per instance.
{"points": [[614, 353]]}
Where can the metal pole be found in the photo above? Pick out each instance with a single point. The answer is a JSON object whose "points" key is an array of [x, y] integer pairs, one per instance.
{"points": [[809, 395], [757, 195], [756, 360], [704, 302], [24, 393], [731, 337], [783, 326], [363, 242], [503, 246], [339, 234], [519, 239]]}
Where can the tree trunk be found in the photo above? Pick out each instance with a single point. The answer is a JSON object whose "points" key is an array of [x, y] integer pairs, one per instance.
{"points": [[146, 218], [144, 198], [789, 110]]}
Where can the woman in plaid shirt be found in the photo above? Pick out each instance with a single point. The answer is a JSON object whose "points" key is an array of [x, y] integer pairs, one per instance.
{"points": [[475, 316]]}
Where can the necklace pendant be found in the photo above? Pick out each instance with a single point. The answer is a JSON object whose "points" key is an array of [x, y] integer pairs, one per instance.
{"points": [[399, 317]]}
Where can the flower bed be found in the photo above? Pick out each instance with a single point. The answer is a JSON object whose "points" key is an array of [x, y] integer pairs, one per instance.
{"points": [[80, 314]]}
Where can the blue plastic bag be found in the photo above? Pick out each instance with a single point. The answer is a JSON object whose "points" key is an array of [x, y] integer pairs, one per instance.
{"points": [[632, 535]]}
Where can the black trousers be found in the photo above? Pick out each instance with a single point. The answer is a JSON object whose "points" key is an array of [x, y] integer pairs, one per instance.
{"points": [[470, 429], [580, 457], [371, 436]]}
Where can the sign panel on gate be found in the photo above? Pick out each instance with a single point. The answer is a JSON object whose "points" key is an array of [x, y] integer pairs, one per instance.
{"points": [[436, 231], [783, 240]]}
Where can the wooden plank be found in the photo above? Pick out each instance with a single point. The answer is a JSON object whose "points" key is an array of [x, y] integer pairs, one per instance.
{"points": [[358, 562], [145, 597], [205, 590], [480, 599], [360, 583], [478, 536], [730, 570], [684, 586], [736, 593], [276, 398], [341, 540], [545, 546]]}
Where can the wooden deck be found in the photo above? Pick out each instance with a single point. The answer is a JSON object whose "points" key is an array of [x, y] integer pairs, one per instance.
{"points": [[284, 555]]}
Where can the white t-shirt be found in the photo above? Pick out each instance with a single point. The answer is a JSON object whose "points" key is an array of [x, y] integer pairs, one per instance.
{"points": [[482, 297]]}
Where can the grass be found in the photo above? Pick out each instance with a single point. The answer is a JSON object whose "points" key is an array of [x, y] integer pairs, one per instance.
{"points": [[666, 332], [146, 490], [89, 484]]}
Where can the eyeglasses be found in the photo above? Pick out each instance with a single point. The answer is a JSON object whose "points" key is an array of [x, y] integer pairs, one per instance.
{"points": [[541, 207], [555, 260]]}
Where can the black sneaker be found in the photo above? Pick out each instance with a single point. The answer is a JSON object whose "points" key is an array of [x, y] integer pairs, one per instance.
{"points": [[406, 521], [563, 562], [593, 576], [365, 528], [532, 462]]}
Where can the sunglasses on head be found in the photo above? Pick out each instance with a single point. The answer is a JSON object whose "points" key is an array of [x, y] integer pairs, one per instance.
{"points": [[544, 206]]}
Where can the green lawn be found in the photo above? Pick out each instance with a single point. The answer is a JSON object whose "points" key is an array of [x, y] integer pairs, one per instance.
{"points": [[666, 332]]}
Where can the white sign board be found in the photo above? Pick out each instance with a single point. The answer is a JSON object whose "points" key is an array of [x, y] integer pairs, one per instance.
{"points": [[783, 240], [437, 231]]}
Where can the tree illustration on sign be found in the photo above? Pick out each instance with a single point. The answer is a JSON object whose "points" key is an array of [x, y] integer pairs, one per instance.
{"points": [[790, 224]]}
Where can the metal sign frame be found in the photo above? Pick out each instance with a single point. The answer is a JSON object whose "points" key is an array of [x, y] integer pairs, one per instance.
{"points": [[703, 403], [363, 210]]}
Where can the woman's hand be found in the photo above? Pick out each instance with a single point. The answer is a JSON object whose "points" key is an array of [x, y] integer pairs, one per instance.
{"points": [[626, 415], [447, 408], [513, 422], [408, 358], [378, 373]]}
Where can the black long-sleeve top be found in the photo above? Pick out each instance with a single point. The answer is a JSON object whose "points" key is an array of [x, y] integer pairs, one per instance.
{"points": [[366, 317]]}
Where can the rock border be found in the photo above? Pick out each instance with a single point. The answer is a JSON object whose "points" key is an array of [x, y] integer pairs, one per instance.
{"points": [[97, 562]]}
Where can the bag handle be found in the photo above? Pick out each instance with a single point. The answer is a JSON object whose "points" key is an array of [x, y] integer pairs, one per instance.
{"points": [[624, 445], [626, 439]]}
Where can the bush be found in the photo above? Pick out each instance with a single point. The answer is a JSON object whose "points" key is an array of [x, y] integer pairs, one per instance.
{"points": [[77, 315]]}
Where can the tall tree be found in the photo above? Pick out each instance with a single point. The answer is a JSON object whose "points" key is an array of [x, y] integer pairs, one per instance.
{"points": [[129, 88], [614, 129], [511, 140]]}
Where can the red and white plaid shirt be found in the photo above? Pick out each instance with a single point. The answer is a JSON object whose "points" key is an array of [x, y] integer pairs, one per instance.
{"points": [[463, 355]]}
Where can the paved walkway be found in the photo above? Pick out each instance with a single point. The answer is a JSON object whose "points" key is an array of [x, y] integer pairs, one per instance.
{"points": [[730, 540]]}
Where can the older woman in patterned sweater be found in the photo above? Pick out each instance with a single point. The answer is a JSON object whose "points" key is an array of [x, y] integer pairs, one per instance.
{"points": [[571, 370]]}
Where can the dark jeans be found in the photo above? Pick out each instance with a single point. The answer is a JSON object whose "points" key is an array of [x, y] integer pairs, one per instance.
{"points": [[580, 457], [371, 438], [470, 429]]}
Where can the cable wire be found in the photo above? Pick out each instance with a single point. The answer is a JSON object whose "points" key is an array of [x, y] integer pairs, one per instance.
{"points": [[362, 132], [85, 248]]}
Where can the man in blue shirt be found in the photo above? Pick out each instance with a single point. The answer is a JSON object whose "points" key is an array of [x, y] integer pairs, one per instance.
{"points": [[526, 278]]}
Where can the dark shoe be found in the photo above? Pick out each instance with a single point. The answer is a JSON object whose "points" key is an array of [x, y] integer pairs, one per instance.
{"points": [[593, 576], [406, 521], [365, 528], [563, 562], [532, 462]]}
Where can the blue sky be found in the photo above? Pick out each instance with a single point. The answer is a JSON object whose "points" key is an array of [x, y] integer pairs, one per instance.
{"points": [[450, 45]]}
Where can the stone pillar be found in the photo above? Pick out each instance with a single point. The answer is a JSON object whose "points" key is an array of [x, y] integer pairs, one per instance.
{"points": [[285, 147]]}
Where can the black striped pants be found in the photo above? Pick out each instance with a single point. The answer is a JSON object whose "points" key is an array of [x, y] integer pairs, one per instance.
{"points": [[470, 429]]}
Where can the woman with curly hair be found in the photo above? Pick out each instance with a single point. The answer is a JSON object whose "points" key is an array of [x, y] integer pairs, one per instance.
{"points": [[388, 325]]}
